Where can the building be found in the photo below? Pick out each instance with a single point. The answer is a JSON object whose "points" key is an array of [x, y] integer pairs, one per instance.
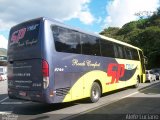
{"points": [[3, 57]]}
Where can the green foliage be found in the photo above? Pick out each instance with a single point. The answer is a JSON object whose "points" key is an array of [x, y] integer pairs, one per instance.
{"points": [[110, 32], [144, 33], [127, 28]]}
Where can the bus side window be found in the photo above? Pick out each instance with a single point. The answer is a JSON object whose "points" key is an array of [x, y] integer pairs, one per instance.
{"points": [[135, 54], [120, 51], [116, 51], [107, 49], [66, 40], [90, 45], [128, 53]]}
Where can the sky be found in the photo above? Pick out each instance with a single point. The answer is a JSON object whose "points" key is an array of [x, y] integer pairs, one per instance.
{"points": [[88, 15]]}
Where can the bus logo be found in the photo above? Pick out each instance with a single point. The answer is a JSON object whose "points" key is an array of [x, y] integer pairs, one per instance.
{"points": [[17, 35], [116, 71]]}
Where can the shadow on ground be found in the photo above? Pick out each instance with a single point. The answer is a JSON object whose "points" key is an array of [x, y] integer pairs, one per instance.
{"points": [[151, 91], [37, 108]]}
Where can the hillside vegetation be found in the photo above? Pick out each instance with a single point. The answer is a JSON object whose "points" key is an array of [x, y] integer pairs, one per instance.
{"points": [[144, 33]]}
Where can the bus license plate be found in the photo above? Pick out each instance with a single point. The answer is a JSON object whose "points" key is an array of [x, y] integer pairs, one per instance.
{"points": [[22, 93]]}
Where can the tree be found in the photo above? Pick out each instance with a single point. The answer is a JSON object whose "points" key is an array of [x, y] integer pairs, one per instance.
{"points": [[143, 33]]}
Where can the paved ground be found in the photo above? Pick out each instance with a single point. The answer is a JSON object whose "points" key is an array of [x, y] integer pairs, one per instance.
{"points": [[122, 104], [143, 105], [3, 87]]}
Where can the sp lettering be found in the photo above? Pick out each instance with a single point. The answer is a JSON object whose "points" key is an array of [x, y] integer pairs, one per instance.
{"points": [[17, 35], [115, 71]]}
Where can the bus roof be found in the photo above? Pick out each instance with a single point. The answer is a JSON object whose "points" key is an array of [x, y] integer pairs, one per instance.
{"points": [[82, 31], [91, 33], [119, 42]]}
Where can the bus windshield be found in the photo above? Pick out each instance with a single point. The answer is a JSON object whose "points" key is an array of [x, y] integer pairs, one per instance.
{"points": [[23, 40]]}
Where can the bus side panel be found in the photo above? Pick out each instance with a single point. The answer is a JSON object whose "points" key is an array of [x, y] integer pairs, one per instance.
{"points": [[74, 76]]}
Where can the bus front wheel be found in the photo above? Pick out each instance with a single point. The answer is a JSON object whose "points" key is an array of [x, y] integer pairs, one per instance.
{"points": [[95, 92]]}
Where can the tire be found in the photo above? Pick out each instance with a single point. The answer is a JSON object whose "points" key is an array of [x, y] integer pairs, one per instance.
{"points": [[95, 93], [137, 83]]}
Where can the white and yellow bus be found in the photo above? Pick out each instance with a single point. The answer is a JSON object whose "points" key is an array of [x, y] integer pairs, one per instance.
{"points": [[51, 62]]}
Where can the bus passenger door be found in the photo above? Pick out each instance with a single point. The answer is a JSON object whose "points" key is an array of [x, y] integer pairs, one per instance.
{"points": [[143, 79]]}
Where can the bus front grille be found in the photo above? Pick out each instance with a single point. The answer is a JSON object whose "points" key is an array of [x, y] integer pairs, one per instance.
{"points": [[62, 91]]}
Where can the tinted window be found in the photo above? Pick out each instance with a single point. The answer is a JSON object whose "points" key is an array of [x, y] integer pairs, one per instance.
{"points": [[24, 35], [128, 53], [135, 54], [151, 72], [24, 41], [120, 52], [116, 51], [90, 45], [66, 40], [107, 49]]}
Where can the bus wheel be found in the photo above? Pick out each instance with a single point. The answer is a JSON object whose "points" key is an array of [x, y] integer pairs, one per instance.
{"points": [[95, 92], [137, 83]]}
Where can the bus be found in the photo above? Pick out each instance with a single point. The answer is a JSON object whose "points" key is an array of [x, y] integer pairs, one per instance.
{"points": [[50, 62]]}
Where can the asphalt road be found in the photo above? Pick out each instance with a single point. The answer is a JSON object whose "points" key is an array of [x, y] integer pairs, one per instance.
{"points": [[129, 103], [144, 104]]}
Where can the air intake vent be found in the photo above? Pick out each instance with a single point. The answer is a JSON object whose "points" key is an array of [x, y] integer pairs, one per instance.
{"points": [[62, 91]]}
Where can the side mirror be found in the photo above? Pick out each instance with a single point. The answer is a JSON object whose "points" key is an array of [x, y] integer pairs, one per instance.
{"points": [[145, 60]]}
